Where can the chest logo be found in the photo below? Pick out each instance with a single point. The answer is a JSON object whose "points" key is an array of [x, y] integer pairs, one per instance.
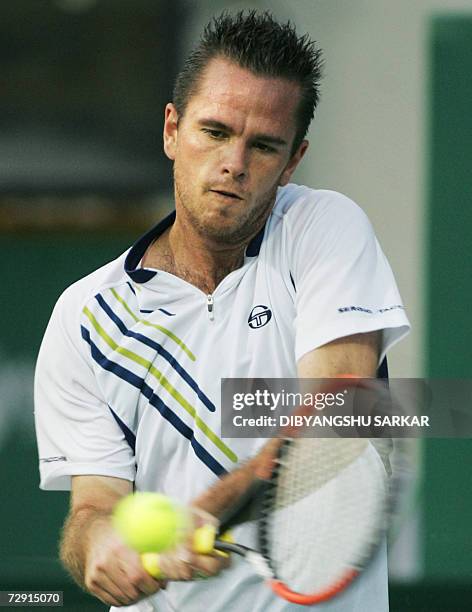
{"points": [[260, 316]]}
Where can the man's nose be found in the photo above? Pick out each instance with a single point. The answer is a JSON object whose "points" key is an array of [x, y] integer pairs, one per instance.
{"points": [[234, 161]]}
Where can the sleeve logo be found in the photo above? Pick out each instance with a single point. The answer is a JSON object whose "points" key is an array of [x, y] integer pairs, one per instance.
{"points": [[368, 310], [52, 459]]}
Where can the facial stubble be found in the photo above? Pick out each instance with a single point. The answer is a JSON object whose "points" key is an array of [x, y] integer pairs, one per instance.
{"points": [[244, 227]]}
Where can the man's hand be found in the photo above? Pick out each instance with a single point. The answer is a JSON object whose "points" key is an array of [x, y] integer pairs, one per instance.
{"points": [[100, 561], [113, 572], [194, 558], [91, 549], [184, 564]]}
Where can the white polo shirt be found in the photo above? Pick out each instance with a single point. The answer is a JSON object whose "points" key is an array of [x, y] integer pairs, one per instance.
{"points": [[128, 374]]}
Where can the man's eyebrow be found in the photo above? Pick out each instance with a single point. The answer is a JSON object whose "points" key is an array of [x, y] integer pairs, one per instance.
{"points": [[213, 123]]}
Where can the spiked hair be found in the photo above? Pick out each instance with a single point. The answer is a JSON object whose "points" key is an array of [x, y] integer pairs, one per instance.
{"points": [[259, 43]]}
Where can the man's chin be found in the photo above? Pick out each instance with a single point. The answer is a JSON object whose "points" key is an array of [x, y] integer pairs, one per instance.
{"points": [[224, 228], [225, 235]]}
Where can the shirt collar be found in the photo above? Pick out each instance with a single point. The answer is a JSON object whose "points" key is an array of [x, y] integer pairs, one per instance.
{"points": [[137, 251]]}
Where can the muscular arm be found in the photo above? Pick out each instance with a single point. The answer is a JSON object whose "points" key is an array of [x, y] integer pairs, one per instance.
{"points": [[92, 500], [91, 550], [357, 355]]}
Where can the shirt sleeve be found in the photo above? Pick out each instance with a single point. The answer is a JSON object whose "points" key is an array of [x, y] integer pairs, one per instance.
{"points": [[76, 431], [344, 283]]}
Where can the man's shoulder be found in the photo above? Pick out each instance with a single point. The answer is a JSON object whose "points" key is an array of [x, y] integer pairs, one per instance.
{"points": [[75, 296], [300, 199], [301, 207]]}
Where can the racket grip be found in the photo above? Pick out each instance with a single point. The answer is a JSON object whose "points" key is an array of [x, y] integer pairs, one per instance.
{"points": [[203, 543], [203, 539]]}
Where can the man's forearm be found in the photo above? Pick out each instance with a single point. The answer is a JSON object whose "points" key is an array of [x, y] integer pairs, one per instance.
{"points": [[75, 537], [227, 491]]}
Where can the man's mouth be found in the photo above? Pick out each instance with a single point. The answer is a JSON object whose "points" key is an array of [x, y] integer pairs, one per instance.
{"points": [[227, 194]]}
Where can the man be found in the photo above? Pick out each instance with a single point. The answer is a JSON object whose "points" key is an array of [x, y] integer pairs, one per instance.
{"points": [[128, 376]]}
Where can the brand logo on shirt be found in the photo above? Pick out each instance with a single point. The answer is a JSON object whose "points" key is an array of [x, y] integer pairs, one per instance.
{"points": [[51, 459], [260, 316]]}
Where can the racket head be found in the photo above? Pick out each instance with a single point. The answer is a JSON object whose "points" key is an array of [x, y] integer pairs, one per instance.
{"points": [[327, 510], [319, 531], [323, 505]]}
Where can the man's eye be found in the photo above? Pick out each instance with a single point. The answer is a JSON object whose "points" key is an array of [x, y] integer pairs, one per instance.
{"points": [[217, 134], [261, 146]]}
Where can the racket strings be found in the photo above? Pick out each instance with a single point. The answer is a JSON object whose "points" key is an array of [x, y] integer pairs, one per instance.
{"points": [[325, 513]]}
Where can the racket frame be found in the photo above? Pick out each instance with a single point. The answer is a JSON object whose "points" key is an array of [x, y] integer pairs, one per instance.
{"points": [[253, 502]]}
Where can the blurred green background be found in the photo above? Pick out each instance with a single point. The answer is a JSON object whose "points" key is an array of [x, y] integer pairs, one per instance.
{"points": [[79, 182], [37, 269]]}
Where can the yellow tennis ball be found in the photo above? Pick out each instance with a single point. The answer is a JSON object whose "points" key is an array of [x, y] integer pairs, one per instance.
{"points": [[150, 522]]}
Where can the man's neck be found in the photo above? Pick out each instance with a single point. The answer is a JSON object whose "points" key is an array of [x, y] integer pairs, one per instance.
{"points": [[197, 260]]}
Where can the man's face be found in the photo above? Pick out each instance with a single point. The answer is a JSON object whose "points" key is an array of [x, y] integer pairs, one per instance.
{"points": [[231, 150]]}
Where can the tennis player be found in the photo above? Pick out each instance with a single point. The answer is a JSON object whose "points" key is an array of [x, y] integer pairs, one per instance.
{"points": [[250, 276]]}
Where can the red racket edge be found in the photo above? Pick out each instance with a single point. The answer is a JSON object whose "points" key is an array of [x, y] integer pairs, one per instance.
{"points": [[282, 590]]}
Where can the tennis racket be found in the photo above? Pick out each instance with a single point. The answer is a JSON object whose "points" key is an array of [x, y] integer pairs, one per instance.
{"points": [[321, 513]]}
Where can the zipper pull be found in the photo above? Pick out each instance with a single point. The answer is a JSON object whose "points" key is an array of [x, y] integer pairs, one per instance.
{"points": [[211, 315]]}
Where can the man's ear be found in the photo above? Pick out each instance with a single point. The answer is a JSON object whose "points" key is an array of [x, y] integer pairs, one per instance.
{"points": [[171, 120], [293, 163]]}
